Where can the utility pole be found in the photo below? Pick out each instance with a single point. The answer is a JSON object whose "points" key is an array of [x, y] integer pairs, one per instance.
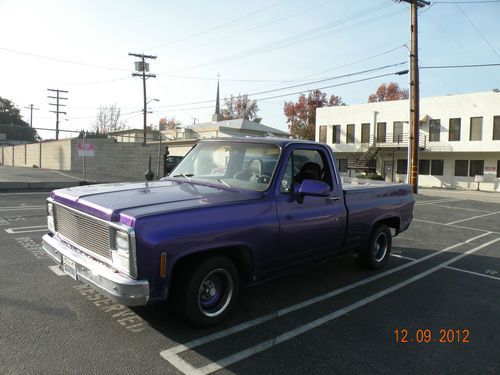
{"points": [[142, 67], [414, 135], [57, 104], [31, 108]]}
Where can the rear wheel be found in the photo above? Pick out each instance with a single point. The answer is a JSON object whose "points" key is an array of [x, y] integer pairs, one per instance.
{"points": [[377, 253], [207, 291]]}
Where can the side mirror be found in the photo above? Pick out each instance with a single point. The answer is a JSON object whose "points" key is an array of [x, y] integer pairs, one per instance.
{"points": [[313, 188]]}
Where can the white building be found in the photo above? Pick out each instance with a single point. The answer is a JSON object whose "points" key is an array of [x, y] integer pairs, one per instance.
{"points": [[459, 139]]}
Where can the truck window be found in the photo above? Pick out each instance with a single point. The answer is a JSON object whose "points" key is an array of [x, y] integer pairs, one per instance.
{"points": [[305, 164]]}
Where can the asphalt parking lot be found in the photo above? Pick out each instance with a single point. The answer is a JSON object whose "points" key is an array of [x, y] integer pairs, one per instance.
{"points": [[434, 309]]}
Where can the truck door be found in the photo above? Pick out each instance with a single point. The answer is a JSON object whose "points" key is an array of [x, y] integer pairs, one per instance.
{"points": [[316, 226]]}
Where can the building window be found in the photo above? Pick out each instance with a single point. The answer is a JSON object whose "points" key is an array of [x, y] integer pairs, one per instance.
{"points": [[454, 134], [349, 137], [402, 166], [365, 133], [476, 128], [476, 168], [336, 134], [342, 165], [322, 134], [381, 127], [397, 133], [498, 168], [423, 166], [434, 130], [496, 128], [437, 167], [461, 167]]}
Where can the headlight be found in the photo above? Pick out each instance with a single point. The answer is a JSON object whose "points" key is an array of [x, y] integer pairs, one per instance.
{"points": [[121, 241], [50, 217], [120, 251]]}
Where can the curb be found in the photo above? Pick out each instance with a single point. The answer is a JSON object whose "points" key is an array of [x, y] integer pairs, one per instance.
{"points": [[38, 185]]}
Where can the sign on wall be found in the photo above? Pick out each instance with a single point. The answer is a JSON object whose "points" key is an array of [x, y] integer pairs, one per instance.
{"points": [[85, 149]]}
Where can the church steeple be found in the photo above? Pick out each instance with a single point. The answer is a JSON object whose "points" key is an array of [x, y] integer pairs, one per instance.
{"points": [[217, 116]]}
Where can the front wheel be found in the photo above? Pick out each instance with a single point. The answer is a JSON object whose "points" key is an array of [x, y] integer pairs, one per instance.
{"points": [[208, 291], [378, 251]]}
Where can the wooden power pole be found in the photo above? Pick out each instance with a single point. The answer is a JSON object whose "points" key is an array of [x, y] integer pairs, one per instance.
{"points": [[31, 108], [142, 67], [414, 135]]}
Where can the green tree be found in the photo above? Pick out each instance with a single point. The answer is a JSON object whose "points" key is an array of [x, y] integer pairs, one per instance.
{"points": [[301, 115], [12, 126]]}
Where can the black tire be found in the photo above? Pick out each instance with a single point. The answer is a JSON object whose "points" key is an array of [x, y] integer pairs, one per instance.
{"points": [[206, 291], [377, 253]]}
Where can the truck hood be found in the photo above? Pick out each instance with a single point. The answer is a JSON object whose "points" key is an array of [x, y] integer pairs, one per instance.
{"points": [[124, 202]]}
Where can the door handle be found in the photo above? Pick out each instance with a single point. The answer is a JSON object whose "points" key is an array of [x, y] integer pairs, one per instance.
{"points": [[335, 198]]}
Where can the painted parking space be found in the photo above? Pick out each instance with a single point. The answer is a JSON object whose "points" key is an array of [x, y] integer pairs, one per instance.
{"points": [[332, 318]]}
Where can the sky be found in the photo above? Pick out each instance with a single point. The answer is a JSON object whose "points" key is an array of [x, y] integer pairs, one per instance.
{"points": [[260, 48]]}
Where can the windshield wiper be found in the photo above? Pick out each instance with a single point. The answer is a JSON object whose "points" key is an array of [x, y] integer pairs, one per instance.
{"points": [[223, 182], [186, 176]]}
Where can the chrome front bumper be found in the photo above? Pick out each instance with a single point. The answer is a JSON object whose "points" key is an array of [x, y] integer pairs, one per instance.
{"points": [[117, 287]]}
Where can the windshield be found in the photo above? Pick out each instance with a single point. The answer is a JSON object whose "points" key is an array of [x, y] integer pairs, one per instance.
{"points": [[234, 164]]}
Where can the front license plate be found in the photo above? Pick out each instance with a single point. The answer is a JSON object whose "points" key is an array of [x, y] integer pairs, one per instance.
{"points": [[69, 267]]}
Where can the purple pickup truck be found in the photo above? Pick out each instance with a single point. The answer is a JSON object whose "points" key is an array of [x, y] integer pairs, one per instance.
{"points": [[234, 211]]}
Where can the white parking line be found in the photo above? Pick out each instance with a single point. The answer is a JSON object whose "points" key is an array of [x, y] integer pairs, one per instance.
{"points": [[37, 228], [22, 208], [423, 203], [455, 226], [473, 273], [461, 208], [474, 217], [171, 354]]}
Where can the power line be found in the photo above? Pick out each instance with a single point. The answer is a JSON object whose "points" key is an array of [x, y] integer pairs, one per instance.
{"points": [[477, 30], [298, 85], [61, 60], [459, 66], [466, 2]]}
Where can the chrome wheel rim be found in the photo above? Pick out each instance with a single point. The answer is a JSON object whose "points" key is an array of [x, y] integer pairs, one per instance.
{"points": [[380, 247], [215, 292]]}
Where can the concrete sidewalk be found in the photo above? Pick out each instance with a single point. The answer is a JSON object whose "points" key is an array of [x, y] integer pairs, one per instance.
{"points": [[24, 178]]}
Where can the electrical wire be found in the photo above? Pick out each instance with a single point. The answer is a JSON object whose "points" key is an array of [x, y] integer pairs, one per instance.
{"points": [[459, 66]]}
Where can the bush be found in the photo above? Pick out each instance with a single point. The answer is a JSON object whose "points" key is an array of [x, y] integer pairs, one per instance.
{"points": [[371, 176]]}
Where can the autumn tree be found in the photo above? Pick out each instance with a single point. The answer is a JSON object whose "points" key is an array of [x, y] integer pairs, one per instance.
{"points": [[241, 107], [387, 92], [108, 120], [168, 124], [301, 115]]}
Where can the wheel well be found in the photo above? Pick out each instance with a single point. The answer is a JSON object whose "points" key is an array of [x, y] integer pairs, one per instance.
{"points": [[241, 256], [392, 222]]}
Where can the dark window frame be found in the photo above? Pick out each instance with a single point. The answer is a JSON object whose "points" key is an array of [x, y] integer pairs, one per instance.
{"points": [[434, 130], [322, 134], [480, 129], [498, 168], [496, 128], [397, 133], [350, 138], [437, 167], [466, 172], [336, 134], [477, 169], [342, 165], [365, 133], [454, 133], [424, 167], [381, 125], [402, 166]]}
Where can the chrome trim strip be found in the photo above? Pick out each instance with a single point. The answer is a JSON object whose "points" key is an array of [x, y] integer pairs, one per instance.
{"points": [[115, 286]]}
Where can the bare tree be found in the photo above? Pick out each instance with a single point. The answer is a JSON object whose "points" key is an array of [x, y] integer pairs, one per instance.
{"points": [[108, 120]]}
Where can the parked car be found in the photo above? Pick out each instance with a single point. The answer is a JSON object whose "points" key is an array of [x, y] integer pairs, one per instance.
{"points": [[170, 163], [231, 212]]}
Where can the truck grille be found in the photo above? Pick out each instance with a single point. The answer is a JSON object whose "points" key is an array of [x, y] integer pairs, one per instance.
{"points": [[86, 232]]}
